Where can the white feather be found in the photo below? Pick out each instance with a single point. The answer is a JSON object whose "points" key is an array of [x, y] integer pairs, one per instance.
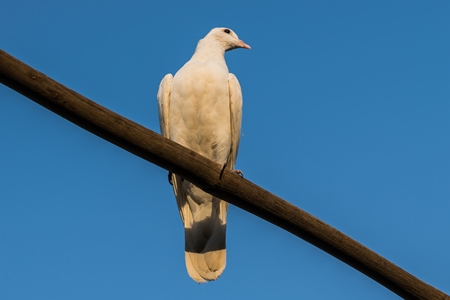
{"points": [[201, 108]]}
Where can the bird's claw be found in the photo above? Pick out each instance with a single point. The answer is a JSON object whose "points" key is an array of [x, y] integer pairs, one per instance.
{"points": [[239, 172]]}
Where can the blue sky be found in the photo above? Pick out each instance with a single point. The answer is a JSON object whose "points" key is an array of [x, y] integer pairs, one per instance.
{"points": [[346, 115]]}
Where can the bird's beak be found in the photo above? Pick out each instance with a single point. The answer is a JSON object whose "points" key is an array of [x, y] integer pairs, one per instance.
{"points": [[244, 45]]}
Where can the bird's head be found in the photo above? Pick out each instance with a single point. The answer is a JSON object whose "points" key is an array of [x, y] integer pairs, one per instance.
{"points": [[227, 38]]}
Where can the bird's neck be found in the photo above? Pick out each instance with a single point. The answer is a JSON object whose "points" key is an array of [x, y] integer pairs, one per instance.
{"points": [[206, 50]]}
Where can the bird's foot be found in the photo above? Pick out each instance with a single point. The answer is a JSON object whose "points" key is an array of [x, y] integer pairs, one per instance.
{"points": [[239, 172]]}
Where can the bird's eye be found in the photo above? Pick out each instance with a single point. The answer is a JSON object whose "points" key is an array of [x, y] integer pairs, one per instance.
{"points": [[226, 30]]}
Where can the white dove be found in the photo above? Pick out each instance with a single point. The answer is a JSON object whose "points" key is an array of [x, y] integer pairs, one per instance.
{"points": [[201, 108]]}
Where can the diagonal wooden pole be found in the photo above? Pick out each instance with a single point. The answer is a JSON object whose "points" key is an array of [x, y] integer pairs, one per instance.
{"points": [[207, 175]]}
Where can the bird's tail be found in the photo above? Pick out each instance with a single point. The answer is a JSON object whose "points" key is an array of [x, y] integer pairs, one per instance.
{"points": [[204, 267], [204, 219]]}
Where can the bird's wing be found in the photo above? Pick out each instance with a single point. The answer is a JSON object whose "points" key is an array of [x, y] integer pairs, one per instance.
{"points": [[163, 96], [236, 117]]}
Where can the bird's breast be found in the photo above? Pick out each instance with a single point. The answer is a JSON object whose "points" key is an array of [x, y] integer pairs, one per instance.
{"points": [[200, 110]]}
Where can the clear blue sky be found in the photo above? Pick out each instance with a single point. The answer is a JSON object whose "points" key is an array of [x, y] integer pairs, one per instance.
{"points": [[346, 115]]}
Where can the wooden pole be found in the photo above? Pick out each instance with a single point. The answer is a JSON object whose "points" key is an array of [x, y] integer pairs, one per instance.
{"points": [[207, 175]]}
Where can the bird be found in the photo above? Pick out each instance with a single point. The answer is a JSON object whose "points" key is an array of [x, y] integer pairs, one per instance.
{"points": [[201, 108]]}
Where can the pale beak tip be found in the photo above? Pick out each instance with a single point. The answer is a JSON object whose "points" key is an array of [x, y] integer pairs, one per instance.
{"points": [[244, 45]]}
